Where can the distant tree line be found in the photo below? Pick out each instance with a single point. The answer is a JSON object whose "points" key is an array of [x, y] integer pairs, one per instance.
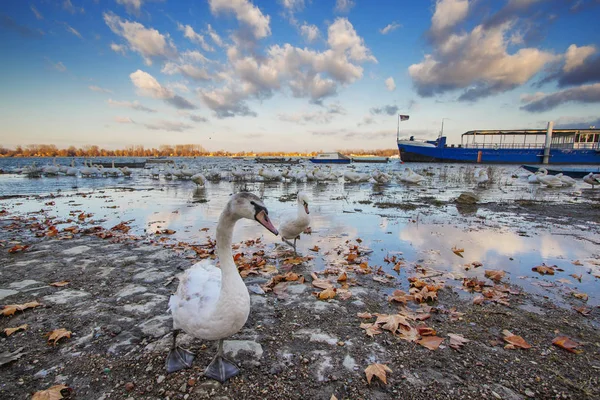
{"points": [[178, 150]]}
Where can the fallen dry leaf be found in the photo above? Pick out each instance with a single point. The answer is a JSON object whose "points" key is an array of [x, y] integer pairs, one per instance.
{"points": [[378, 370], [364, 315], [582, 310], [567, 344], [458, 251], [55, 392], [515, 340], [371, 329], [342, 277], [315, 248], [400, 297], [17, 248], [58, 334], [577, 262], [578, 277], [326, 294], [543, 269], [10, 331], [60, 284], [495, 275], [580, 296], [457, 341], [10, 309], [430, 342]]}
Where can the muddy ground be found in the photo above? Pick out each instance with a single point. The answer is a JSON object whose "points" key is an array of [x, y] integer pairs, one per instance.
{"points": [[294, 346]]}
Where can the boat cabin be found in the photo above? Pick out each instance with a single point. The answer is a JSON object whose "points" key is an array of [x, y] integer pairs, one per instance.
{"points": [[530, 139]]}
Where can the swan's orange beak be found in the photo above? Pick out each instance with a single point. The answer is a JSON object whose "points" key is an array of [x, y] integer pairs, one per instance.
{"points": [[306, 208], [264, 220]]}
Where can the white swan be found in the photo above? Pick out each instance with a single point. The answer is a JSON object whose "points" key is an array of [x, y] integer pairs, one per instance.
{"points": [[481, 177], [566, 180], [199, 179], [381, 177], [410, 176], [213, 303], [548, 180], [292, 228], [72, 171], [592, 179]]}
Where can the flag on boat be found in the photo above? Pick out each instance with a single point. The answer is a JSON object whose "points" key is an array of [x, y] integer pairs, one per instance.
{"points": [[403, 117]]}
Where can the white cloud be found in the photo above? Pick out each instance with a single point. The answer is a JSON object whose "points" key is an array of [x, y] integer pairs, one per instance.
{"points": [[194, 37], [315, 117], [98, 89], [135, 105], [188, 70], [478, 62], [132, 6], [198, 118], [149, 43], [170, 126], [581, 94], [118, 48], [246, 13], [214, 36], [35, 11], [390, 28], [310, 32], [179, 86], [367, 120], [576, 56], [124, 120], [59, 66], [343, 6], [448, 13], [292, 5], [390, 84], [73, 31], [148, 86], [67, 5], [307, 73]]}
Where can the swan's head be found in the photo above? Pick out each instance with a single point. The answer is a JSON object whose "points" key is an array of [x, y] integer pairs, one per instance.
{"points": [[250, 206], [303, 200]]}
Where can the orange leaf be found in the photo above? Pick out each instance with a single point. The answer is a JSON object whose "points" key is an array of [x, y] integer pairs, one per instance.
{"points": [[567, 344], [431, 342], [494, 275], [342, 277], [580, 296], [578, 277], [60, 284], [291, 276], [426, 331], [58, 334], [328, 293], [378, 370], [10, 309], [458, 251], [18, 247], [315, 248], [55, 392], [515, 340], [10, 331], [543, 269], [398, 265]]}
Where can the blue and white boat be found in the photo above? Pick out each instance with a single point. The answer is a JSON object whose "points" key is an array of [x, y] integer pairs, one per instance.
{"points": [[531, 146], [331, 158]]}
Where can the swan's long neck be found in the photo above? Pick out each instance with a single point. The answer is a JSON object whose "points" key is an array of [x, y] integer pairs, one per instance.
{"points": [[301, 210], [224, 236]]}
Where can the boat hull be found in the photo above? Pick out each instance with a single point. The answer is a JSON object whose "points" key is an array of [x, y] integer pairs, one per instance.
{"points": [[330, 161], [409, 153], [381, 160]]}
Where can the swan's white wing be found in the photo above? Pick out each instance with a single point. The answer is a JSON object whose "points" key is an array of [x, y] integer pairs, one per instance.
{"points": [[197, 294], [293, 227]]}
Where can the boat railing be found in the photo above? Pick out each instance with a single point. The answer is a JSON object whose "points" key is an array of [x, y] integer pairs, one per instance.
{"points": [[503, 146]]}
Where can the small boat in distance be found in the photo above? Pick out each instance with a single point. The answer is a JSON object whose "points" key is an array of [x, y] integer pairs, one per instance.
{"points": [[525, 146], [370, 159], [331, 158], [277, 160], [573, 172]]}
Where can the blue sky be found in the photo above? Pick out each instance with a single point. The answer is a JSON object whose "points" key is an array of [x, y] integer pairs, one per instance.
{"points": [[292, 74]]}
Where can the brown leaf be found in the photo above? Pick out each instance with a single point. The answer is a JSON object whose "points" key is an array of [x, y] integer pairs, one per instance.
{"points": [[494, 275], [342, 277], [55, 392], [458, 251], [392, 322], [371, 329], [60, 284], [543, 269], [400, 297], [582, 310], [315, 248], [580, 296], [425, 330], [398, 265], [166, 232], [515, 340], [10, 331], [431, 342], [10, 309], [457, 341], [578, 277], [567, 344], [577, 262], [17, 248], [364, 315], [58, 334], [291, 276], [326, 294], [378, 370], [333, 397]]}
